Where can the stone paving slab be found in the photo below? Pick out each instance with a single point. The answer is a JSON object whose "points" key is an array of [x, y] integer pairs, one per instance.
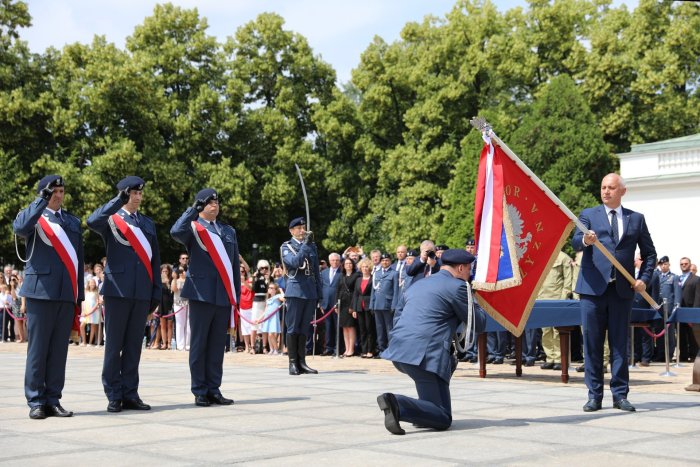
{"points": [[332, 418]]}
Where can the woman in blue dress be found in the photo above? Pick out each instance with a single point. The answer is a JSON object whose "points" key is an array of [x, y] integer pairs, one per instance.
{"points": [[271, 326]]}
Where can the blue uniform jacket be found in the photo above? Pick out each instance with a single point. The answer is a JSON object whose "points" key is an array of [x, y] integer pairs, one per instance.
{"points": [[596, 268], [670, 289], [303, 275], [423, 336], [328, 292], [125, 274], [45, 276], [385, 286], [203, 282]]}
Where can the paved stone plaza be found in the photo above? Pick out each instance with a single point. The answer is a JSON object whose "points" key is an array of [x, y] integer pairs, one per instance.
{"points": [[333, 419]]}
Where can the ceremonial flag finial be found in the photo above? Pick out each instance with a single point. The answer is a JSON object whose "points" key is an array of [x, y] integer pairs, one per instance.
{"points": [[480, 124]]}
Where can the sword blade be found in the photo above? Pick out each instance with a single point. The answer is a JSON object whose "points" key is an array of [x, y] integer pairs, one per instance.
{"points": [[306, 199]]}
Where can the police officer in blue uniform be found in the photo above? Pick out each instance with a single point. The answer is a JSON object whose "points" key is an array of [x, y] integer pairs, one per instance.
{"points": [[132, 289], [421, 341], [53, 288], [385, 288], [211, 288], [300, 258]]}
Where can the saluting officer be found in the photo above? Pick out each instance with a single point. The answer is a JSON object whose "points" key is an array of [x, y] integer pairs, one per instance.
{"points": [[53, 287], [303, 291], [213, 287], [132, 289]]}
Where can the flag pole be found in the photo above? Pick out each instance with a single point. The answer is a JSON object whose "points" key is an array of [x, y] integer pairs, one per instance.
{"points": [[484, 127]]}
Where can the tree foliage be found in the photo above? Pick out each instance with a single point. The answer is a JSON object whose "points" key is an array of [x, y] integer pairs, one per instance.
{"points": [[388, 158]]}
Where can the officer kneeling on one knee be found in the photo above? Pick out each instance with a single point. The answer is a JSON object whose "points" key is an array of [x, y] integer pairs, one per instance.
{"points": [[421, 341], [303, 291]]}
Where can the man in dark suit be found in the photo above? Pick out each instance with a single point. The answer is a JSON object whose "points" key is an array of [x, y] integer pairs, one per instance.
{"points": [[213, 288], [421, 341], [690, 297], [300, 258], [643, 343], [428, 263], [131, 290], [329, 283], [53, 288], [606, 296]]}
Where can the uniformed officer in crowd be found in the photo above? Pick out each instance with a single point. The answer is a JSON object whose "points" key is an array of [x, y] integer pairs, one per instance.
{"points": [[213, 287], [300, 259], [132, 289], [669, 289], [421, 342], [556, 286], [384, 298], [53, 288], [405, 282]]}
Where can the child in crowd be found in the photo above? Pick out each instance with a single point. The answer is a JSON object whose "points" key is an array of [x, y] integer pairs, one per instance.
{"points": [[90, 313], [271, 327]]}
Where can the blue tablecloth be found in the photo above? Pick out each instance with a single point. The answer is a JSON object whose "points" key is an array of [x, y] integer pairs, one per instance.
{"points": [[685, 315], [547, 313]]}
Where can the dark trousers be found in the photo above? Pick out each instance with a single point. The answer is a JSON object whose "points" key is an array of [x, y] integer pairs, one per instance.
{"points": [[48, 327], [8, 331], [331, 325], [531, 339], [385, 323], [433, 408], [687, 346], [497, 344], [300, 312], [125, 320], [643, 345], [209, 326], [611, 313], [367, 331]]}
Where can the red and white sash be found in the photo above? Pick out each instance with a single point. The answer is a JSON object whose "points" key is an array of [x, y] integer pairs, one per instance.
{"points": [[138, 242], [215, 247], [61, 243]]}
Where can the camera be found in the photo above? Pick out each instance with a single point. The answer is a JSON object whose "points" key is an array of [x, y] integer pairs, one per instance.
{"points": [[431, 254]]}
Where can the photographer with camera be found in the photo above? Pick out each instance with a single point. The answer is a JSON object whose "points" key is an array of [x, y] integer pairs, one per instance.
{"points": [[428, 263]]}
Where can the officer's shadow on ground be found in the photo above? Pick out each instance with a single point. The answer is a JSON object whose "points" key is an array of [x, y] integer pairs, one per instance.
{"points": [[165, 408], [476, 424]]}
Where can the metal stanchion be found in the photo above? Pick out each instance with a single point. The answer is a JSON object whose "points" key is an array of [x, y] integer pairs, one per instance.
{"points": [[632, 365], [187, 324], [2, 333], [678, 347], [337, 329], [668, 372]]}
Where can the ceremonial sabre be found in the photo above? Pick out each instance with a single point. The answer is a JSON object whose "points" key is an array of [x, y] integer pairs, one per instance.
{"points": [[306, 199]]}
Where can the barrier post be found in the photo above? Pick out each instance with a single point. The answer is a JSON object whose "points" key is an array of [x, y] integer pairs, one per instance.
{"points": [[3, 326], [668, 372], [678, 347], [632, 365], [337, 329]]}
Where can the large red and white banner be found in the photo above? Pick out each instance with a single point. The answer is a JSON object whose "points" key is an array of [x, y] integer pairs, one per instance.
{"points": [[519, 230]]}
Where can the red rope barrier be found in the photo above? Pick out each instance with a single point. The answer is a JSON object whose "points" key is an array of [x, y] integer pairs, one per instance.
{"points": [[172, 314], [656, 336], [270, 316], [13, 316], [314, 322]]}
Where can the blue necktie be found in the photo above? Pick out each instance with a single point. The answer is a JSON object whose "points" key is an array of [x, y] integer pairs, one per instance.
{"points": [[615, 236]]}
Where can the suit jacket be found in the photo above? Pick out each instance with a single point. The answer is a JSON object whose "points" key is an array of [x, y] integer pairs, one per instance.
{"points": [[417, 270], [596, 268], [361, 297], [385, 286], [329, 288], [203, 282], [125, 275], [691, 292], [652, 289], [303, 275], [423, 336], [45, 276]]}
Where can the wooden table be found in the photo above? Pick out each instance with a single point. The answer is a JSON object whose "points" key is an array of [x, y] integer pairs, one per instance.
{"points": [[690, 315]]}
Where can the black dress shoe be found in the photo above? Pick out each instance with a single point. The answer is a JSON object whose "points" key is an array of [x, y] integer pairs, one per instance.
{"points": [[114, 406], [624, 404], [592, 405], [529, 363], [388, 403], [556, 367], [202, 401], [135, 404], [37, 412], [547, 366], [219, 399], [57, 411], [580, 369], [497, 361]]}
